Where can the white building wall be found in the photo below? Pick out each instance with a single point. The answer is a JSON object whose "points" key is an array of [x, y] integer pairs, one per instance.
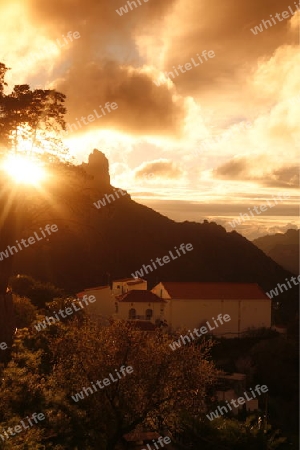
{"points": [[138, 287], [255, 313], [192, 314], [160, 291], [244, 314], [121, 287], [104, 304], [140, 307]]}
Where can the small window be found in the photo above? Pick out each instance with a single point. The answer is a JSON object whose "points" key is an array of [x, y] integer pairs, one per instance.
{"points": [[149, 314], [117, 307], [132, 313]]}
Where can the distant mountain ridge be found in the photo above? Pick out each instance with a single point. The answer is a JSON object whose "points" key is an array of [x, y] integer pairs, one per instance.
{"points": [[282, 248], [94, 246]]}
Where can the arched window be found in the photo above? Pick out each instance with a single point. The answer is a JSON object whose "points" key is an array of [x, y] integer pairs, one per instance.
{"points": [[132, 313], [149, 314]]}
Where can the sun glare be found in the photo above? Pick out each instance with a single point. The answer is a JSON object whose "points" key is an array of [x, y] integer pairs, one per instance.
{"points": [[24, 170]]}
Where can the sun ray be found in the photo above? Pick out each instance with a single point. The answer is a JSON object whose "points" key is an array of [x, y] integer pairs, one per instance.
{"points": [[24, 170]]}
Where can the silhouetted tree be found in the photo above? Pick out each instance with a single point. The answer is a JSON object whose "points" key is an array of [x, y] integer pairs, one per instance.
{"points": [[37, 115]]}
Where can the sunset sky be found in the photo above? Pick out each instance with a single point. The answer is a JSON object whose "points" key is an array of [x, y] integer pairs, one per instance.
{"points": [[207, 144]]}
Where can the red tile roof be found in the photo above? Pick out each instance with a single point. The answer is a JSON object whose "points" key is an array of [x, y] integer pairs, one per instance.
{"points": [[214, 291], [139, 297]]}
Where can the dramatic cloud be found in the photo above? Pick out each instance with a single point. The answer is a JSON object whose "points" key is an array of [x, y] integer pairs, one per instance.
{"points": [[245, 170], [142, 108], [226, 29], [285, 177], [191, 127], [158, 169], [235, 169], [105, 65]]}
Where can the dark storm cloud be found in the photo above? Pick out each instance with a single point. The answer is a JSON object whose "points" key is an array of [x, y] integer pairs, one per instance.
{"points": [[103, 65], [224, 27], [142, 107], [161, 169]]}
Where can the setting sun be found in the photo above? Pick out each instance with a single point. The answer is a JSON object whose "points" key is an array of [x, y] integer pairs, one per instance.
{"points": [[24, 170]]}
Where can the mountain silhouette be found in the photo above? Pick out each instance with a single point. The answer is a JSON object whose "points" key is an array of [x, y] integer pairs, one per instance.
{"points": [[96, 245], [282, 248]]}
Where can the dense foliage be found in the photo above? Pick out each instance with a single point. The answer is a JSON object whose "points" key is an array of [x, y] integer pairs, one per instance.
{"points": [[38, 114], [167, 391]]}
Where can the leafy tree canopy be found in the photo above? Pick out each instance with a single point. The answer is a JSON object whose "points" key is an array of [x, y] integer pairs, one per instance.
{"points": [[30, 120]]}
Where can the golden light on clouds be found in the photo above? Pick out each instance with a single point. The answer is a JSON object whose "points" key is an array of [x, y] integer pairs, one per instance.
{"points": [[195, 121]]}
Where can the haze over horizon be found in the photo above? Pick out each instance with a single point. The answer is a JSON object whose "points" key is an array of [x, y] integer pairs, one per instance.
{"points": [[208, 143]]}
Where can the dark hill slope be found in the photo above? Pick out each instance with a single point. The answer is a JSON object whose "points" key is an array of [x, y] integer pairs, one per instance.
{"points": [[282, 248], [94, 246]]}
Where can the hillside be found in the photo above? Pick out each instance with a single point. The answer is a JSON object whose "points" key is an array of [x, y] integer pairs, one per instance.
{"points": [[93, 246], [282, 248]]}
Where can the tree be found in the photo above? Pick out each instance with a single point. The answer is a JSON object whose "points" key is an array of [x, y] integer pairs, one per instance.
{"points": [[24, 310], [34, 116], [39, 293], [162, 384], [228, 434], [51, 366]]}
